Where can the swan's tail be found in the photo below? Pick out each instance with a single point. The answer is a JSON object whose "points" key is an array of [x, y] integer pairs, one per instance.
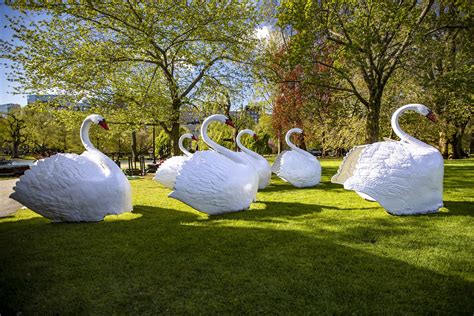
{"points": [[31, 181], [277, 163], [348, 165]]}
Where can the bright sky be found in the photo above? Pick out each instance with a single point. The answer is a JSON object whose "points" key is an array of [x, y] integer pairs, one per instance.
{"points": [[6, 33]]}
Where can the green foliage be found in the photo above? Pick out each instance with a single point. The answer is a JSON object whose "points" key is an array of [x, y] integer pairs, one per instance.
{"points": [[13, 131], [163, 142], [445, 73], [319, 250], [144, 59], [353, 48]]}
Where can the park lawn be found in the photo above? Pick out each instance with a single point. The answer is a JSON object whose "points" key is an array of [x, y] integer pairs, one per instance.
{"points": [[315, 250]]}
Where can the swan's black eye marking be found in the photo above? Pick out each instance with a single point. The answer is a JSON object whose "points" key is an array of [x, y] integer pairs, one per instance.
{"points": [[103, 124], [431, 116]]}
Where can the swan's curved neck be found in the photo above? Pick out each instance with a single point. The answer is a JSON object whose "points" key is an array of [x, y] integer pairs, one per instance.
{"points": [[220, 149], [90, 148], [396, 126], [291, 145], [86, 142], [180, 144], [242, 147]]}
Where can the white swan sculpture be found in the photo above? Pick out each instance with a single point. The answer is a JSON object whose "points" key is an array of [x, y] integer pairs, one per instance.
{"points": [[167, 172], [76, 188], [260, 164], [297, 166], [405, 177], [216, 182]]}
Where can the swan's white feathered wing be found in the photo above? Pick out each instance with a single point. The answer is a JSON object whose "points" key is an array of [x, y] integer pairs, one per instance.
{"points": [[167, 172], [70, 187], [214, 184], [348, 165], [262, 167], [298, 169], [277, 163], [404, 178]]}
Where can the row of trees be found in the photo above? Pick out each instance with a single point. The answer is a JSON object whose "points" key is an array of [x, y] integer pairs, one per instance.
{"points": [[337, 68], [345, 66], [41, 130]]}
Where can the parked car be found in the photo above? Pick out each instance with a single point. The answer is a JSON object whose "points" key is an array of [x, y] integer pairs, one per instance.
{"points": [[315, 152]]}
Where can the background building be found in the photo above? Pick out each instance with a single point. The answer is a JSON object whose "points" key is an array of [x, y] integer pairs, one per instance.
{"points": [[62, 103], [7, 107]]}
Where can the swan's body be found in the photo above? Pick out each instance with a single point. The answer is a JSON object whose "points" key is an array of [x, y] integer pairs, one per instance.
{"points": [[74, 188], [257, 161], [167, 172], [405, 177], [216, 182], [297, 166]]}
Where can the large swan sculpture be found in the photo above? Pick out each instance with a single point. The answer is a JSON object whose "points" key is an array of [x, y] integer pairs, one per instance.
{"points": [[76, 188], [405, 177], [167, 172], [297, 166], [260, 164], [216, 182]]}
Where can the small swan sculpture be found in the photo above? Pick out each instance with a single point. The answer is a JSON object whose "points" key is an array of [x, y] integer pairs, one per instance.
{"points": [[297, 166], [76, 188], [216, 181], [168, 170], [405, 177], [260, 164]]}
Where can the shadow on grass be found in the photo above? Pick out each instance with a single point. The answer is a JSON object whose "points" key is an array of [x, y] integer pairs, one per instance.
{"points": [[456, 208], [284, 186], [274, 209], [158, 263]]}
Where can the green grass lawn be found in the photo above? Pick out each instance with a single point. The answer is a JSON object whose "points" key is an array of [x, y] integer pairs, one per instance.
{"points": [[316, 250]]}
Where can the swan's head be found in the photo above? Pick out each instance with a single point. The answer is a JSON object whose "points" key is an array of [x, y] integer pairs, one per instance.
{"points": [[229, 122], [220, 118], [426, 111], [99, 120], [190, 136], [252, 133], [295, 130]]}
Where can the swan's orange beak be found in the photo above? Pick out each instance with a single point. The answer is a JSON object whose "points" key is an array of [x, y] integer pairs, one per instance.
{"points": [[230, 123], [194, 138], [432, 117], [104, 125], [255, 136]]}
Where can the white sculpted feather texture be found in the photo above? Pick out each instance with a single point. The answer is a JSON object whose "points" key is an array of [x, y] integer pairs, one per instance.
{"points": [[405, 177], [298, 169], [214, 184], [297, 166], [70, 187], [167, 172]]}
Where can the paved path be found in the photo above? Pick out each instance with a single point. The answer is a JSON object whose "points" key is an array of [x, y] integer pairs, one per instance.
{"points": [[7, 205]]}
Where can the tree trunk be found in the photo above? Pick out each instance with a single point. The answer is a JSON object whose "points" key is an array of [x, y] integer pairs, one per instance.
{"points": [[175, 127], [471, 146], [134, 146], [175, 138], [154, 144], [458, 152], [15, 146], [372, 126], [280, 143], [235, 132], [443, 144], [302, 142]]}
